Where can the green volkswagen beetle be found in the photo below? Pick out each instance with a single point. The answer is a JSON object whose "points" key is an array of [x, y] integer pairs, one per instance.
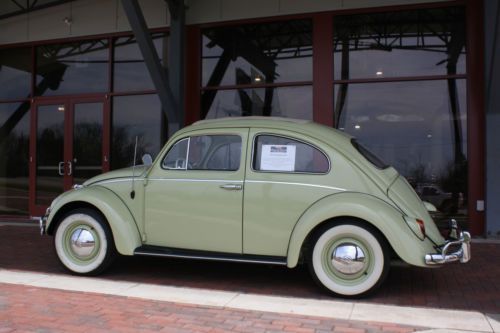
{"points": [[257, 190]]}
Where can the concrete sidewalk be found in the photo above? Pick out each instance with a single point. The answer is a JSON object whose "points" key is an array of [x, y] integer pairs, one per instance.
{"points": [[358, 316]]}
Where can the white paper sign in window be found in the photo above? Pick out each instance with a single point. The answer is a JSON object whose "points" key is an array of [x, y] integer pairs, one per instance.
{"points": [[278, 158]]}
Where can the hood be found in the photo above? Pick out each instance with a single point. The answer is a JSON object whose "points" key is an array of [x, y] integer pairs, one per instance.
{"points": [[138, 171]]}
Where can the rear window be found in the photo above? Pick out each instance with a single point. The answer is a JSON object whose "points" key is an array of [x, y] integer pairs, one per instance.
{"points": [[371, 157]]}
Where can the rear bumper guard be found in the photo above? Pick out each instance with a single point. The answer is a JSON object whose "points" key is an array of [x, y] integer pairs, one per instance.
{"points": [[462, 254]]}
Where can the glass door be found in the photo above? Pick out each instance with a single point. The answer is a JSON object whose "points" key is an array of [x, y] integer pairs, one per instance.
{"points": [[48, 159], [87, 148], [69, 147]]}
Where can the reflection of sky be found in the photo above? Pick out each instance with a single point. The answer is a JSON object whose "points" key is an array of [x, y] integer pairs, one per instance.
{"points": [[141, 116], [291, 69], [14, 83], [397, 62], [7, 110], [85, 73], [406, 123], [291, 102], [130, 71]]}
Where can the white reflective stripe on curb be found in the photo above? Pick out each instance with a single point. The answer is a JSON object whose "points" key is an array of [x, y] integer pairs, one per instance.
{"points": [[420, 317]]}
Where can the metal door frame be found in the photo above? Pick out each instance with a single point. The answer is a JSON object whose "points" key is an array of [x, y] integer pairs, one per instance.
{"points": [[69, 105]]}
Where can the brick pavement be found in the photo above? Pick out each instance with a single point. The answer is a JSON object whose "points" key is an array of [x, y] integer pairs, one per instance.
{"points": [[30, 309], [474, 286]]}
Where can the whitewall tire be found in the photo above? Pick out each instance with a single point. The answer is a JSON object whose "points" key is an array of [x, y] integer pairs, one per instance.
{"points": [[84, 243], [349, 259]]}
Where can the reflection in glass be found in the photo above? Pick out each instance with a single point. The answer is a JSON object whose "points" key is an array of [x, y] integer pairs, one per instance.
{"points": [[307, 158], [49, 152], [139, 116], [255, 54], [87, 141], [404, 43], [291, 102], [14, 164], [15, 73], [72, 68], [130, 71], [418, 127]]}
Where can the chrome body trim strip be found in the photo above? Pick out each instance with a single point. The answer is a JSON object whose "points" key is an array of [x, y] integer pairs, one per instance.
{"points": [[211, 258], [463, 254], [296, 184], [197, 180]]}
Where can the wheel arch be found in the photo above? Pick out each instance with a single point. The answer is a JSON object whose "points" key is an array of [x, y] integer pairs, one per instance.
{"points": [[123, 226], [367, 209]]}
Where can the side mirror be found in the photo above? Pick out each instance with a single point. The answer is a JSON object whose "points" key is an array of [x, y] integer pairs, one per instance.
{"points": [[147, 160]]}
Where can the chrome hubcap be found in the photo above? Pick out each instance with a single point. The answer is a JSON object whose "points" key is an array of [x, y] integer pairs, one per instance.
{"points": [[348, 259], [82, 242]]}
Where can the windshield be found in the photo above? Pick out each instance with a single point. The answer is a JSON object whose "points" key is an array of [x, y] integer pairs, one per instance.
{"points": [[371, 157]]}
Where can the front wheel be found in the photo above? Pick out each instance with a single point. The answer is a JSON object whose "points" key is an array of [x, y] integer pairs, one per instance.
{"points": [[84, 243], [349, 259]]}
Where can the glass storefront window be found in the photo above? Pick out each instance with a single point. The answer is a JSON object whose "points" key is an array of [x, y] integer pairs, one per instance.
{"points": [[14, 164], [419, 127], [291, 102], [129, 70], [138, 116], [15, 73], [72, 68], [257, 53], [403, 43]]}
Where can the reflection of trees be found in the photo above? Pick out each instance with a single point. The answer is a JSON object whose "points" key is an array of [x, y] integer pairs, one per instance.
{"points": [[88, 143], [454, 180], [50, 145], [14, 149], [122, 147]]}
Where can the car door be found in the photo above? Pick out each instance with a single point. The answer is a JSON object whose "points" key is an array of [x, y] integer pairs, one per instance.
{"points": [[194, 198]]}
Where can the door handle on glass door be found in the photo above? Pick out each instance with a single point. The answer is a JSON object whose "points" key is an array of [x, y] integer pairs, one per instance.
{"points": [[70, 168], [60, 169]]}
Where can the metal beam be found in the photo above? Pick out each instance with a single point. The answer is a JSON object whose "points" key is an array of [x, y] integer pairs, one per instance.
{"points": [[176, 50], [152, 61]]}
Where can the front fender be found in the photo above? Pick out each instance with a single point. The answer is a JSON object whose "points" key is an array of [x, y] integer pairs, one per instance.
{"points": [[386, 218], [123, 226]]}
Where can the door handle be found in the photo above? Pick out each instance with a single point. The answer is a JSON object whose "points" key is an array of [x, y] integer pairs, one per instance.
{"points": [[231, 187], [70, 168], [60, 169]]}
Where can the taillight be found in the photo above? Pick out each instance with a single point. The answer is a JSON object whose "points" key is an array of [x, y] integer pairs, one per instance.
{"points": [[421, 225]]}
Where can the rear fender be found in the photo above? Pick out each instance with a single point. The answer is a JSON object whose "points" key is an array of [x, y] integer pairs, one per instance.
{"points": [[386, 218], [123, 225]]}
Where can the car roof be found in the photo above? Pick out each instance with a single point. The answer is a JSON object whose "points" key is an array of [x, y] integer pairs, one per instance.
{"points": [[308, 127]]}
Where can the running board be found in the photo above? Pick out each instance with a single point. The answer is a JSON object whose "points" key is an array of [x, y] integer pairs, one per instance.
{"points": [[157, 251]]}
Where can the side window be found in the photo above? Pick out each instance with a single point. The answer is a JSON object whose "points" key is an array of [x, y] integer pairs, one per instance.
{"points": [[177, 156], [281, 154], [205, 152], [215, 152]]}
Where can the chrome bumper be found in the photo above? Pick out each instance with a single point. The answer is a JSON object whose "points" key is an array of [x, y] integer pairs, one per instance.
{"points": [[462, 254], [42, 222]]}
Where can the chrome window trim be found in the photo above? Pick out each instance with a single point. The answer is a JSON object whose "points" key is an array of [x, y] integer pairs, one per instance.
{"points": [[168, 151], [288, 172], [187, 153]]}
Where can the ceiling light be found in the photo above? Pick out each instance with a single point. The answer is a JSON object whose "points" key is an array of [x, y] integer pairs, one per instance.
{"points": [[379, 73], [257, 78], [60, 108], [357, 126]]}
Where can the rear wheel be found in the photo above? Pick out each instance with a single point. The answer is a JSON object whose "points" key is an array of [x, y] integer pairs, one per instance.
{"points": [[349, 259], [84, 243]]}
